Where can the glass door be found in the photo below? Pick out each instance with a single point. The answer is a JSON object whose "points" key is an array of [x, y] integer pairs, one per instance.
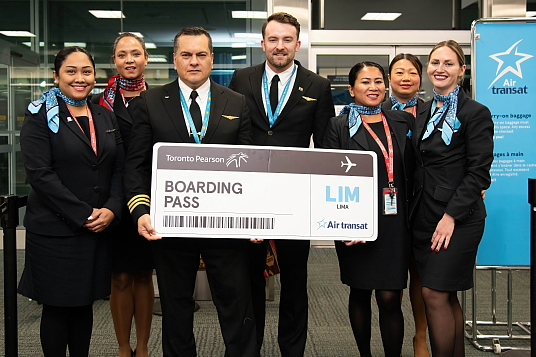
{"points": [[5, 148], [335, 62]]}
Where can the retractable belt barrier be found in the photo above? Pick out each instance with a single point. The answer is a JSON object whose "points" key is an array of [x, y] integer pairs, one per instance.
{"points": [[9, 220]]}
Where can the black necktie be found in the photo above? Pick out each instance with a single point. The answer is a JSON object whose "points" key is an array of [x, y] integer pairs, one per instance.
{"points": [[274, 97], [195, 112]]}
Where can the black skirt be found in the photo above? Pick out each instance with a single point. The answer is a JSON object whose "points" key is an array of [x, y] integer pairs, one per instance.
{"points": [[66, 271], [450, 269], [131, 253]]}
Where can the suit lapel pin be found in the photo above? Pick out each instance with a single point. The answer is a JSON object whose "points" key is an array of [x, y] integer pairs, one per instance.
{"points": [[167, 97], [300, 89], [69, 119]]}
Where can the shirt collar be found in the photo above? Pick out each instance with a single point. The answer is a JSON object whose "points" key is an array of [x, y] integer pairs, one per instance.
{"points": [[283, 76], [202, 91]]}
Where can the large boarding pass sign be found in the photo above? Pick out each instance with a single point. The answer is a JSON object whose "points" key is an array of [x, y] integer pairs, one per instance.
{"points": [[231, 191]]}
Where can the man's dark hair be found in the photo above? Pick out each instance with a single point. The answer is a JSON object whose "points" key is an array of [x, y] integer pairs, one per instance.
{"points": [[284, 18], [192, 31]]}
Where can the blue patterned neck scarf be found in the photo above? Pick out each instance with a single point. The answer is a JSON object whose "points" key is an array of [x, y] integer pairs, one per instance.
{"points": [[51, 105], [354, 118], [451, 122], [400, 106]]}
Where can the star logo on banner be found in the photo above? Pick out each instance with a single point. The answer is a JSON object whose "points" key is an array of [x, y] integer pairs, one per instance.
{"points": [[322, 223], [511, 60]]}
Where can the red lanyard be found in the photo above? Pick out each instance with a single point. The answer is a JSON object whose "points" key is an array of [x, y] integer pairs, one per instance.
{"points": [[388, 157], [92, 135]]}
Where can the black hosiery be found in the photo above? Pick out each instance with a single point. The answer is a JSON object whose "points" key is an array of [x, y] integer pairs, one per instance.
{"points": [[442, 313], [360, 315], [63, 327], [391, 321]]}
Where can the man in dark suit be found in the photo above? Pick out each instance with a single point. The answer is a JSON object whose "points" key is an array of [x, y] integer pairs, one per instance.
{"points": [[176, 113], [297, 105]]}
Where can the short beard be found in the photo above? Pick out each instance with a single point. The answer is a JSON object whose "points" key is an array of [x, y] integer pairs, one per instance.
{"points": [[281, 66]]}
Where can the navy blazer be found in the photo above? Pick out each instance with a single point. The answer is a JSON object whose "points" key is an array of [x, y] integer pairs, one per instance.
{"points": [[307, 111], [449, 178], [159, 118], [400, 122], [67, 179]]}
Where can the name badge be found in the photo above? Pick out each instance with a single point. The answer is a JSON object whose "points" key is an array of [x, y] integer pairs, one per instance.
{"points": [[390, 195]]}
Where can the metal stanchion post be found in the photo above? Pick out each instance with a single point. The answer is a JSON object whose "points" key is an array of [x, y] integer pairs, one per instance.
{"points": [[532, 201], [9, 221]]}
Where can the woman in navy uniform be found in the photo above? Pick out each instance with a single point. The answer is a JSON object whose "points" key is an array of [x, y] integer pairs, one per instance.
{"points": [[132, 264], [405, 79], [453, 145], [381, 265], [73, 156]]}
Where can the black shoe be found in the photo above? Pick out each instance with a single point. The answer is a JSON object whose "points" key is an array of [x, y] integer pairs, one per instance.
{"points": [[196, 306], [132, 353]]}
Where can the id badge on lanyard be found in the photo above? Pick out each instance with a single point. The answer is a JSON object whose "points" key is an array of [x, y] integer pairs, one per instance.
{"points": [[390, 195]]}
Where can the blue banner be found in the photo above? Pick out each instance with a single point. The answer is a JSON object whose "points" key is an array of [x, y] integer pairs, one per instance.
{"points": [[504, 76]]}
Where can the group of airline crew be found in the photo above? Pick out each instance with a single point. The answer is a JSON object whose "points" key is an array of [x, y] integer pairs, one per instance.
{"points": [[88, 161]]}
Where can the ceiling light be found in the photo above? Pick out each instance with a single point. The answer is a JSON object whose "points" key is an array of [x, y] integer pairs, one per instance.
{"points": [[17, 33], [249, 14], [107, 14], [150, 45], [158, 58], [239, 45], [239, 57], [247, 35], [381, 16], [79, 44], [29, 44]]}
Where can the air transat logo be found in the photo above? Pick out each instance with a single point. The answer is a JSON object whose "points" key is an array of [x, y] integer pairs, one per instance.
{"points": [[509, 60]]}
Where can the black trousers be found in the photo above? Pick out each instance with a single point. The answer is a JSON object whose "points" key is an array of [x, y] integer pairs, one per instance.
{"points": [[293, 306], [177, 261]]}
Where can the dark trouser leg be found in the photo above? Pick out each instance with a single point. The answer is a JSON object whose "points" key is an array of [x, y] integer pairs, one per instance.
{"points": [[176, 270], [228, 276], [294, 305], [257, 264]]}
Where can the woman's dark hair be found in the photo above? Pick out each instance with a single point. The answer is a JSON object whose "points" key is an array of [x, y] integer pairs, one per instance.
{"points": [[352, 76], [134, 36], [414, 61], [64, 53]]}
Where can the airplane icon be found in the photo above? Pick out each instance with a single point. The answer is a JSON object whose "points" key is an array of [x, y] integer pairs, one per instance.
{"points": [[349, 164]]}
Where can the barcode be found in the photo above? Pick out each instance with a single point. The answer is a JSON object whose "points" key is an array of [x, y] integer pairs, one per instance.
{"points": [[218, 222]]}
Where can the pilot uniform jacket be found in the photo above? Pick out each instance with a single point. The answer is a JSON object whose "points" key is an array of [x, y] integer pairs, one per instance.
{"points": [[65, 263], [449, 178], [159, 118], [308, 109], [306, 112], [67, 179]]}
